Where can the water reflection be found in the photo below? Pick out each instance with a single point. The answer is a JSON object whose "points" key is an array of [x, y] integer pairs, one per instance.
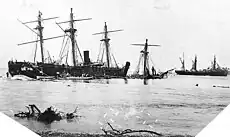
{"points": [[126, 80], [107, 81], [145, 81], [130, 104], [102, 81]]}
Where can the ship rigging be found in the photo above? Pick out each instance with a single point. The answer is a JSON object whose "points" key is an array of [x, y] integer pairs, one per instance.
{"points": [[72, 37], [214, 70], [144, 57], [39, 34], [60, 68], [106, 48]]}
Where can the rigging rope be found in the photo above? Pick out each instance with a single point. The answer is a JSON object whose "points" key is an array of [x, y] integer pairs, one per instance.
{"points": [[67, 56], [62, 47], [102, 54], [138, 65], [78, 50], [35, 53], [100, 49], [61, 57]]}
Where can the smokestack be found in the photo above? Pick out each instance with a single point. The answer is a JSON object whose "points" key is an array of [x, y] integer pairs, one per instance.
{"points": [[86, 57]]}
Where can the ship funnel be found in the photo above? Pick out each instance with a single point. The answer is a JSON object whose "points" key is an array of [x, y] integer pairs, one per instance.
{"points": [[86, 57]]}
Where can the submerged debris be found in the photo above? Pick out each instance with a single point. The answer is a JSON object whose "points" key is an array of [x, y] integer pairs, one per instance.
{"points": [[48, 116]]}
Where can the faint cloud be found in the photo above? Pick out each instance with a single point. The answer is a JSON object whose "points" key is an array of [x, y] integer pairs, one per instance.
{"points": [[26, 3], [162, 4]]}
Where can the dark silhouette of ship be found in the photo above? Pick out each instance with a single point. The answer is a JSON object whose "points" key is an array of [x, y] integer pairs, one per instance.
{"points": [[81, 66], [214, 70], [149, 72]]}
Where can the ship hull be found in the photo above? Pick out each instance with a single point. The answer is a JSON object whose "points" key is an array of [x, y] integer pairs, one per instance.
{"points": [[45, 69], [203, 73]]}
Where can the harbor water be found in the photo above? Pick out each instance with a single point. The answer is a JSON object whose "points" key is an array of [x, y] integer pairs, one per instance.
{"points": [[175, 105]]}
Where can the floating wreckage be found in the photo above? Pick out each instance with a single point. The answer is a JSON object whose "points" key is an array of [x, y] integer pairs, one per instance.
{"points": [[48, 116], [80, 67], [215, 69], [144, 57]]}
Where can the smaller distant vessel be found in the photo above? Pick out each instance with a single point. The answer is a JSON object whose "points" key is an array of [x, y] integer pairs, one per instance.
{"points": [[215, 69], [145, 58]]}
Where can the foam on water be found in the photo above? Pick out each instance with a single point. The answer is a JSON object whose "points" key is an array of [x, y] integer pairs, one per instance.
{"points": [[170, 106]]}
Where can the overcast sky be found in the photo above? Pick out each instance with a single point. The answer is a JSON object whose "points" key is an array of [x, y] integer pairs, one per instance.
{"points": [[199, 27]]}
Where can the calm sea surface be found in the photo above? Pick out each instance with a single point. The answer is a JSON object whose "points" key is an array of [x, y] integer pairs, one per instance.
{"points": [[171, 106]]}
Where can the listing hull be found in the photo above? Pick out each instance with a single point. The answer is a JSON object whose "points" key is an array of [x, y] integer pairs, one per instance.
{"points": [[45, 69]]}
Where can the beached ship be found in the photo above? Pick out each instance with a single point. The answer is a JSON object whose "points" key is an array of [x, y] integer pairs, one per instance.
{"points": [[214, 70], [148, 73], [60, 68]]}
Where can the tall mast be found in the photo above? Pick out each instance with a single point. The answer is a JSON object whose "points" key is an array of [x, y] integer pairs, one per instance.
{"points": [[72, 37], [145, 57], [214, 62], [195, 62], [106, 41], [40, 30], [194, 67], [183, 64], [145, 54], [40, 34], [72, 31]]}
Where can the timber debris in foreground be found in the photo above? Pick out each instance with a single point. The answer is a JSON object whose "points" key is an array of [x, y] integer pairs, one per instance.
{"points": [[115, 132], [48, 116], [65, 134]]}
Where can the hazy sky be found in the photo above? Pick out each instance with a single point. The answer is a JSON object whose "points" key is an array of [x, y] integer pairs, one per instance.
{"points": [[199, 27]]}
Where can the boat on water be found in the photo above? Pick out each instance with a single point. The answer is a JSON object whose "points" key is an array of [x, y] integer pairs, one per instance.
{"points": [[214, 70], [145, 60], [47, 67]]}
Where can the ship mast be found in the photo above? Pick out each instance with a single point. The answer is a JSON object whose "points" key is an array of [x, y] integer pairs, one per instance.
{"points": [[40, 34], [182, 62], [72, 36], [107, 45], [145, 55], [194, 66], [40, 30], [106, 40], [214, 62], [72, 31]]}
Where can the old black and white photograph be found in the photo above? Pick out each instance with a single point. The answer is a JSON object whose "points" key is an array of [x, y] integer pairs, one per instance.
{"points": [[115, 68]]}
